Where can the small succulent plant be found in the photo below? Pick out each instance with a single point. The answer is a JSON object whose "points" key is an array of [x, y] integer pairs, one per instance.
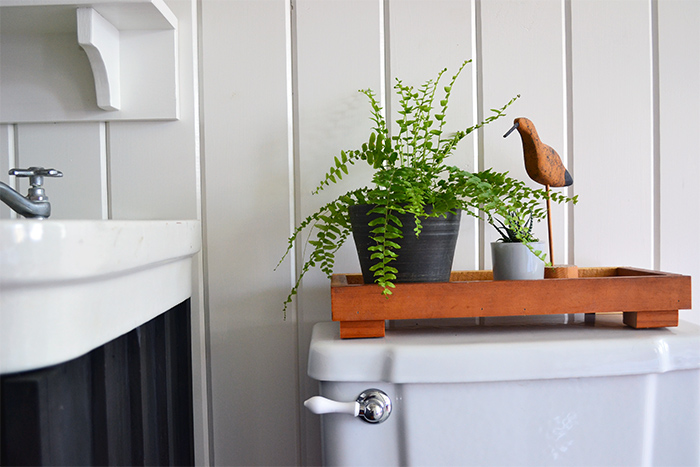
{"points": [[517, 228]]}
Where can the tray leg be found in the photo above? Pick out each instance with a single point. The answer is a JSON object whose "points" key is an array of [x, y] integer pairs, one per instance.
{"points": [[358, 329], [650, 319]]}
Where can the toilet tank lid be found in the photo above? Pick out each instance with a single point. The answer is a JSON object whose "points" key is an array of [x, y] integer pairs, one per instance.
{"points": [[502, 353]]}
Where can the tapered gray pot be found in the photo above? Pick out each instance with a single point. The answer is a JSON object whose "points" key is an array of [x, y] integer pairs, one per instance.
{"points": [[514, 261], [426, 258]]}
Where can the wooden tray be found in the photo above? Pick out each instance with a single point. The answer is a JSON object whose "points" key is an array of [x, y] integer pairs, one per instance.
{"points": [[649, 299]]}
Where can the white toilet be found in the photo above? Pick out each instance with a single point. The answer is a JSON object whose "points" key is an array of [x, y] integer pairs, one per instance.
{"points": [[504, 395]]}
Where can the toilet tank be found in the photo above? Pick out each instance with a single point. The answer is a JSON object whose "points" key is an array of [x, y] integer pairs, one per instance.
{"points": [[505, 395]]}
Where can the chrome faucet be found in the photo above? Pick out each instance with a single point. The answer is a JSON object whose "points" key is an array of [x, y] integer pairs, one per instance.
{"points": [[36, 203]]}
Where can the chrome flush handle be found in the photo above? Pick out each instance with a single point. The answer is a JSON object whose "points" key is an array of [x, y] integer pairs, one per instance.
{"points": [[372, 406]]}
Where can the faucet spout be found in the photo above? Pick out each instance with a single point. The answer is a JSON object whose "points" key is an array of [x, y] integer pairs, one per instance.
{"points": [[23, 206]]}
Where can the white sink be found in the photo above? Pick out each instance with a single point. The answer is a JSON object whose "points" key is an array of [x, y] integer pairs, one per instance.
{"points": [[67, 287]]}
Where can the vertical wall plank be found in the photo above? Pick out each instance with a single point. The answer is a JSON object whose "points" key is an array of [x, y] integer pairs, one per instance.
{"points": [[426, 36], [153, 165], [253, 352], [612, 133], [77, 150], [153, 169], [679, 117], [338, 52], [522, 47]]}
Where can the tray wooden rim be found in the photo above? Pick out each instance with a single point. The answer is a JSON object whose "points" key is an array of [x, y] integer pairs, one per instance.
{"points": [[355, 279], [475, 294]]}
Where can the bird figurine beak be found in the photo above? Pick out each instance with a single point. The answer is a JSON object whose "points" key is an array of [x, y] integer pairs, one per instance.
{"points": [[511, 130]]}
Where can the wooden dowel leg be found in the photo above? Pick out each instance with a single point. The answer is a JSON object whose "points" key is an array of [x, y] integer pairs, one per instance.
{"points": [[549, 228]]}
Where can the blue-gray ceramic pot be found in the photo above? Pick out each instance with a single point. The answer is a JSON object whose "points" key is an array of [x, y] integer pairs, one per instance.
{"points": [[515, 262]]}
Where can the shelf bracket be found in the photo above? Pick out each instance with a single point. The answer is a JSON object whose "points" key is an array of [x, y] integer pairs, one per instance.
{"points": [[100, 40]]}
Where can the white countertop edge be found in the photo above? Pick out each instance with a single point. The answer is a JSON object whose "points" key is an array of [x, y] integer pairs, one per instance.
{"points": [[116, 306], [54, 252]]}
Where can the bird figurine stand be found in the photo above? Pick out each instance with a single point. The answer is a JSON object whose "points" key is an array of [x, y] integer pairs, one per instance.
{"points": [[561, 271], [544, 166]]}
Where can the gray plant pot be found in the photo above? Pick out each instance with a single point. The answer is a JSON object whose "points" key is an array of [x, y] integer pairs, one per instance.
{"points": [[514, 261], [427, 258]]}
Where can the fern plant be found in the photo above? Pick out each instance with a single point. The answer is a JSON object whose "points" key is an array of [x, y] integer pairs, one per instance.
{"points": [[410, 174]]}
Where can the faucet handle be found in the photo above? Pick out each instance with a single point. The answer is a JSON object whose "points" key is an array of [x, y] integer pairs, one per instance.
{"points": [[36, 174]]}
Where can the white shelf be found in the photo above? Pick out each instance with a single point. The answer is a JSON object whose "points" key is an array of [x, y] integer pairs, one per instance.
{"points": [[124, 69]]}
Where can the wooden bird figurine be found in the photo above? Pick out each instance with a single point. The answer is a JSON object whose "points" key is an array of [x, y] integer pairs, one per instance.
{"points": [[542, 164]]}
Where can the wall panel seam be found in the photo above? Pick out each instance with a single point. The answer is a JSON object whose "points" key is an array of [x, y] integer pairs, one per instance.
{"points": [[386, 84], [209, 455], [656, 134], [201, 378], [106, 170], [14, 158], [569, 126], [567, 48], [478, 115], [294, 178]]}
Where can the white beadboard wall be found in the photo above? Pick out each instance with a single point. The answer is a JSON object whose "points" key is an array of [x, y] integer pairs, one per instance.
{"points": [[268, 95]]}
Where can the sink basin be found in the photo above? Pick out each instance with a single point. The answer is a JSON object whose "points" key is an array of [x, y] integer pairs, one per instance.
{"points": [[67, 287]]}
